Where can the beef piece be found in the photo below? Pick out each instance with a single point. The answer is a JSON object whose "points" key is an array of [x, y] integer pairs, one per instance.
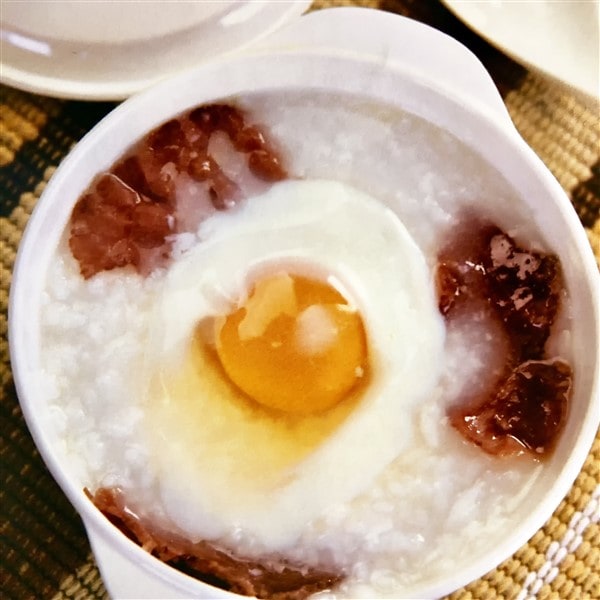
{"points": [[111, 224], [262, 160], [265, 165], [522, 287], [483, 271], [526, 413], [525, 288], [127, 213], [273, 579]]}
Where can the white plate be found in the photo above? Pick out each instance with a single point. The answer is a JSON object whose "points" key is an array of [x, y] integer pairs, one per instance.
{"points": [[557, 37], [93, 50]]}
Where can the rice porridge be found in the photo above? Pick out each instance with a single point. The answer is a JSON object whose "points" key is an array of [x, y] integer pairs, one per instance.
{"points": [[365, 475]]}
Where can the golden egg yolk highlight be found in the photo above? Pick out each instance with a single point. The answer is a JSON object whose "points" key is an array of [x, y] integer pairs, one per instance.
{"points": [[295, 346]]}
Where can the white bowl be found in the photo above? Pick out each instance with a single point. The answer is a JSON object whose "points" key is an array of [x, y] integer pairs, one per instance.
{"points": [[384, 58]]}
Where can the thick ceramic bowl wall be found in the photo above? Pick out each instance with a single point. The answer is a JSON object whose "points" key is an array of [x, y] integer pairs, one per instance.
{"points": [[381, 73]]}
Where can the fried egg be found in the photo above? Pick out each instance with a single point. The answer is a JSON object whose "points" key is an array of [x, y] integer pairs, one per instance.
{"points": [[288, 355]]}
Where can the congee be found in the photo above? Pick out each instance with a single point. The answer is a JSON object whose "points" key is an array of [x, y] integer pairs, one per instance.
{"points": [[302, 343]]}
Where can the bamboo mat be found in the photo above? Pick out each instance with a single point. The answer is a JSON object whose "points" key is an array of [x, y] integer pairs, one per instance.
{"points": [[44, 551]]}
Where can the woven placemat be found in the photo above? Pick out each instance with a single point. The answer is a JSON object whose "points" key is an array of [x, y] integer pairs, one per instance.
{"points": [[44, 551]]}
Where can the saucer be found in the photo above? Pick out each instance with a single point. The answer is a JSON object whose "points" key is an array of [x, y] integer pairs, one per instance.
{"points": [[560, 39], [109, 51]]}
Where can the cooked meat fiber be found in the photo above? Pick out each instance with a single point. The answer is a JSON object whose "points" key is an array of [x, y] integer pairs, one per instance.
{"points": [[216, 566]]}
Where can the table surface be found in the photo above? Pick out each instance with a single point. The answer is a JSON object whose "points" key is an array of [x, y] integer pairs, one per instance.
{"points": [[44, 550]]}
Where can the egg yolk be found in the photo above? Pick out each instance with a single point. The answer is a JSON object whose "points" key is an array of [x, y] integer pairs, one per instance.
{"points": [[295, 346]]}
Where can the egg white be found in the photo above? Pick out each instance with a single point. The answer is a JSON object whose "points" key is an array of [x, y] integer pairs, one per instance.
{"points": [[223, 467]]}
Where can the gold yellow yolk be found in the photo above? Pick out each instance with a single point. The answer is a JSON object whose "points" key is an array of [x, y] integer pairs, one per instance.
{"points": [[295, 346]]}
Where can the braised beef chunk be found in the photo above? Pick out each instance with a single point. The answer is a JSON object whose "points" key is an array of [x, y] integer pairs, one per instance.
{"points": [[522, 287], [218, 117], [274, 579], [248, 139], [112, 223], [126, 215], [525, 290], [484, 272], [461, 274], [266, 165], [525, 413]]}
